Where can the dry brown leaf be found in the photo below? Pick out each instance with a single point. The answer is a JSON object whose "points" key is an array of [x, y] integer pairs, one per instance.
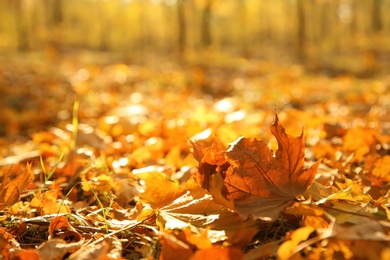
{"points": [[347, 240], [12, 186], [373, 230], [108, 249], [196, 207], [244, 234], [347, 249], [367, 240], [259, 182], [55, 249], [7, 241], [61, 228]]}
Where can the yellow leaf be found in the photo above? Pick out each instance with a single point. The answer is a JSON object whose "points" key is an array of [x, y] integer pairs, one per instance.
{"points": [[48, 203], [302, 209], [159, 190], [288, 248], [382, 168]]}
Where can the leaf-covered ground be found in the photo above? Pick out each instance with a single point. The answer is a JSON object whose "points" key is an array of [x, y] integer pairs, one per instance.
{"points": [[101, 159]]}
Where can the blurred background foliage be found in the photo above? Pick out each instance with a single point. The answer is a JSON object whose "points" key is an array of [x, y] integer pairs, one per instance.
{"points": [[330, 36]]}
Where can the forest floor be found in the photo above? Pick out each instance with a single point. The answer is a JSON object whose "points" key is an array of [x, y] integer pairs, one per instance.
{"points": [[122, 160]]}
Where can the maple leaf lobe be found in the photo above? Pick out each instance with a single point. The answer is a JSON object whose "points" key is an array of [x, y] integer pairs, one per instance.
{"points": [[290, 154]]}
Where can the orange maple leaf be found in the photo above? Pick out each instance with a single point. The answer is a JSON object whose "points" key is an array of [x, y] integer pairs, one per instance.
{"points": [[258, 182]]}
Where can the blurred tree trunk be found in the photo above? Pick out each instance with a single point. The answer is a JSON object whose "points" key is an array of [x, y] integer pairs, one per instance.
{"points": [[242, 19], [145, 42], [104, 21], [54, 41], [376, 16], [205, 24], [301, 30], [56, 11], [181, 34], [23, 36], [354, 20], [325, 21], [22, 18], [30, 22], [103, 35]]}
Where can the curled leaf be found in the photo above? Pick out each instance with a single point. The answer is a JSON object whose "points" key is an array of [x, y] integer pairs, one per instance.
{"points": [[61, 228]]}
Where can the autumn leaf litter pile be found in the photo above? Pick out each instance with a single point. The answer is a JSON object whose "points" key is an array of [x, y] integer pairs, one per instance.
{"points": [[141, 168]]}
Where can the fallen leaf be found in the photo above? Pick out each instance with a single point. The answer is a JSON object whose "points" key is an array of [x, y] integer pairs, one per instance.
{"points": [[302, 209], [288, 248], [319, 223], [265, 251], [158, 189], [382, 168], [196, 208], [200, 239], [358, 138], [367, 240], [173, 246], [181, 244], [260, 183], [351, 241], [384, 201], [55, 249], [29, 254], [7, 241], [372, 230], [244, 234], [61, 228], [47, 202], [12, 186], [108, 249], [350, 249], [218, 253]]}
